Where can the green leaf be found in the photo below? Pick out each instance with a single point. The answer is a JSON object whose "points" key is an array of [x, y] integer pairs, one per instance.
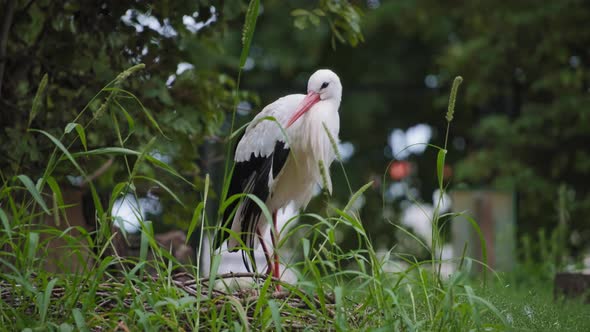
{"points": [[5, 223], [79, 319], [163, 186], [79, 130], [194, 221], [34, 29], [143, 108], [33, 191], [130, 121], [147, 233], [65, 327], [482, 240], [32, 245], [69, 127], [299, 12], [275, 314], [167, 168], [319, 12], [300, 22], [108, 151], [62, 148], [57, 197], [306, 246], [47, 298], [440, 165], [315, 20], [248, 31]]}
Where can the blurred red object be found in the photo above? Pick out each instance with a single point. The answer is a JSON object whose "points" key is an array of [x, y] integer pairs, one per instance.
{"points": [[447, 172], [399, 170]]}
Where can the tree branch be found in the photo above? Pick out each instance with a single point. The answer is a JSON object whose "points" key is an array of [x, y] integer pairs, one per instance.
{"points": [[4, 38]]}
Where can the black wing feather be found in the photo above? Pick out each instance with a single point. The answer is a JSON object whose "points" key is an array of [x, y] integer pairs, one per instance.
{"points": [[257, 169]]}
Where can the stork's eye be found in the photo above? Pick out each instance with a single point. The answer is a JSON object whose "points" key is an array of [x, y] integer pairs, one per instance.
{"points": [[324, 85]]}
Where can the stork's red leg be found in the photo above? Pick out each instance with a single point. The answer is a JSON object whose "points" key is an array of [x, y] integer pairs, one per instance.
{"points": [[275, 242], [269, 268]]}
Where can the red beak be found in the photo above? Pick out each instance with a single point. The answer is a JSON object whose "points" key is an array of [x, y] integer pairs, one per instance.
{"points": [[311, 99]]}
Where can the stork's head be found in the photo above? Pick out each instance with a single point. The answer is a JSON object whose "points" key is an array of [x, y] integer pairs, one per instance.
{"points": [[323, 85]]}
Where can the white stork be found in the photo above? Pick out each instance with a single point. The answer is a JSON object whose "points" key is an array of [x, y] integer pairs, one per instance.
{"points": [[279, 161]]}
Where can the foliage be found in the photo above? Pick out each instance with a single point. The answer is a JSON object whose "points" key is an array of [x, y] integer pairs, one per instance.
{"points": [[57, 56], [527, 66]]}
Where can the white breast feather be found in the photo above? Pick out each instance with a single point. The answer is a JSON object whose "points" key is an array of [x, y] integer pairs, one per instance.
{"points": [[262, 134]]}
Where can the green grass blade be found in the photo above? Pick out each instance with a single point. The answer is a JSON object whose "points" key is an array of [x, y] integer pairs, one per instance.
{"points": [[163, 186], [63, 149], [44, 308], [195, 219], [165, 167], [482, 240], [80, 130], [33, 191], [6, 224], [113, 150], [440, 166], [150, 117], [275, 314]]}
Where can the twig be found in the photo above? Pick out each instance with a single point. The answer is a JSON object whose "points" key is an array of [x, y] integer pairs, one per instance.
{"points": [[240, 275], [4, 38], [100, 171]]}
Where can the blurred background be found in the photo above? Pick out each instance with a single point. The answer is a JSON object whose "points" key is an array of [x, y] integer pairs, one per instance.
{"points": [[521, 127]]}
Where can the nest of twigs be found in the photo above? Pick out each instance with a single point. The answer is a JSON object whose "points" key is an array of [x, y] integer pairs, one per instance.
{"points": [[108, 297]]}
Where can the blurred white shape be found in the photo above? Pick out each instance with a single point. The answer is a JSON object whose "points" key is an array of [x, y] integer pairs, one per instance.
{"points": [[397, 142], [373, 4], [194, 26], [249, 64], [529, 312], [75, 180], [129, 212], [397, 190], [161, 157], [574, 61], [244, 108], [417, 137], [144, 20], [418, 217], [317, 189], [447, 265], [358, 203], [183, 66], [445, 201], [346, 150], [232, 261], [431, 81], [412, 141], [459, 143], [170, 80]]}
